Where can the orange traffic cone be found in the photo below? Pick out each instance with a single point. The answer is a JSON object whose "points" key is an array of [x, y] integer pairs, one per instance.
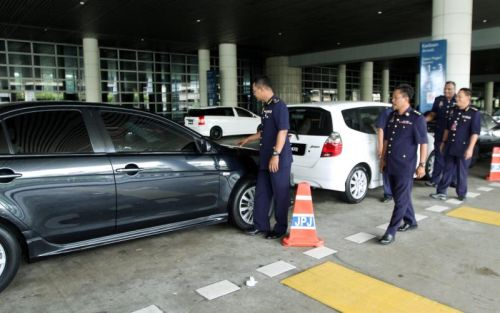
{"points": [[303, 229], [495, 165]]}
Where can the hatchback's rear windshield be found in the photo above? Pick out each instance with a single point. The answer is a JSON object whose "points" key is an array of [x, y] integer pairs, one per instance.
{"points": [[310, 121], [195, 113], [211, 112]]}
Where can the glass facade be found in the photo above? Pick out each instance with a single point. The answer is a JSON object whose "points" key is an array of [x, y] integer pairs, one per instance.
{"points": [[40, 71]]}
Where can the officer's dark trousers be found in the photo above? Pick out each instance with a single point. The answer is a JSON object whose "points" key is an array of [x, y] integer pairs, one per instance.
{"points": [[455, 167], [403, 208], [387, 185], [439, 164], [269, 184]]}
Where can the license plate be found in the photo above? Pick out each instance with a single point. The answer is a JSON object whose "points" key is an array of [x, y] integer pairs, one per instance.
{"points": [[298, 148]]}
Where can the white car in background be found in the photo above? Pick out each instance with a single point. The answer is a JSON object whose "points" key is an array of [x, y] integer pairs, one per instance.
{"points": [[334, 146], [220, 121]]}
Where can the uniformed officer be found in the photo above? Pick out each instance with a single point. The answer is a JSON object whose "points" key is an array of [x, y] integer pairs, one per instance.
{"points": [[275, 162], [459, 139], [380, 125], [440, 110], [405, 130]]}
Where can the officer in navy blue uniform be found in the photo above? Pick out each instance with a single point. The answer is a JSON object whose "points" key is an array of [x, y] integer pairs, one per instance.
{"points": [[405, 131], [380, 125], [275, 161], [459, 139], [440, 110]]}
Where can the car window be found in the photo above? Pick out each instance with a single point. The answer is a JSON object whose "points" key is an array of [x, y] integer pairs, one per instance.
{"points": [[362, 119], [195, 112], [487, 121], [310, 121], [136, 133], [243, 113], [48, 132], [4, 148]]}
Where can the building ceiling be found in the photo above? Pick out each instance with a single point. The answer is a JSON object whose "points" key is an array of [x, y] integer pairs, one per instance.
{"points": [[258, 27]]}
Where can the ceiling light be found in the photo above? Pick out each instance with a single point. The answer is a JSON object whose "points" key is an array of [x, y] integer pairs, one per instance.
{"points": [[45, 29], [379, 12], [142, 39], [338, 43], [82, 2], [198, 20], [485, 21], [280, 33]]}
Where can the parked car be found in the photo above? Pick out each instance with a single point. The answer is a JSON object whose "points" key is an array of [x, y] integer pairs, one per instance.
{"points": [[334, 146], [496, 116], [75, 176], [222, 121]]}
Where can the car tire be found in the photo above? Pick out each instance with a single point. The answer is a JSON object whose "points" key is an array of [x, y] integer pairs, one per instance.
{"points": [[356, 184], [429, 165], [10, 257], [216, 132], [242, 205]]}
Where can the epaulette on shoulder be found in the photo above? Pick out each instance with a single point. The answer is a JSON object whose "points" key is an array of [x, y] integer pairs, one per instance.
{"points": [[276, 100], [416, 112], [473, 108]]}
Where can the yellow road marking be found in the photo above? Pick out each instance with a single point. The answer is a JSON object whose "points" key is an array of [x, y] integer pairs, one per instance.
{"points": [[477, 215], [351, 292]]}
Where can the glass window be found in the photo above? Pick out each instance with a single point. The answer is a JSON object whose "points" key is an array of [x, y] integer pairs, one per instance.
{"points": [[135, 133], [19, 46], [145, 56], [3, 71], [311, 121], [128, 66], [178, 58], [19, 59], [2, 45], [162, 68], [109, 53], [109, 64], [362, 119], [4, 148], [243, 113], [21, 72], [68, 62], [43, 48], [128, 55], [48, 132], [67, 50], [162, 57], [178, 68], [40, 60], [4, 85], [3, 58], [45, 73], [145, 67], [128, 76]]}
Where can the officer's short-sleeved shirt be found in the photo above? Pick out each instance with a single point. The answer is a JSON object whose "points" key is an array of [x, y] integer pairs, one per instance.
{"points": [[442, 107], [462, 124], [274, 118], [403, 134], [382, 118]]}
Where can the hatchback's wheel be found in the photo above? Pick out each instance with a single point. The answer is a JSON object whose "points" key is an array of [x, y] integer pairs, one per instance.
{"points": [[242, 204], [356, 185], [429, 164], [10, 257], [216, 132]]}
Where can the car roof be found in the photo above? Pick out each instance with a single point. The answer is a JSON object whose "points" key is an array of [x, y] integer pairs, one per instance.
{"points": [[340, 105], [214, 107]]}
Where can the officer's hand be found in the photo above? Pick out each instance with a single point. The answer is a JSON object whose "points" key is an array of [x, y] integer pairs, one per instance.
{"points": [[420, 172], [441, 147], [274, 164], [468, 154], [379, 153], [242, 142], [382, 165]]}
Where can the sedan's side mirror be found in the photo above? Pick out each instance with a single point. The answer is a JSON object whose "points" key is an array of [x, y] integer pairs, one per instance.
{"points": [[203, 145]]}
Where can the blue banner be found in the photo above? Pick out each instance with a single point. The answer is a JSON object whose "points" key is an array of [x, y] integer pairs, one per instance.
{"points": [[432, 72], [212, 88]]}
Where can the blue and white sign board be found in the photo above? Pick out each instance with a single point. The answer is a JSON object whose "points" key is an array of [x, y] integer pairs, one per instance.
{"points": [[432, 72]]}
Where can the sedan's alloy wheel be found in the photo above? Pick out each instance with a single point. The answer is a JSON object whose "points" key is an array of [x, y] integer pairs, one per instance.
{"points": [[3, 259], [245, 206]]}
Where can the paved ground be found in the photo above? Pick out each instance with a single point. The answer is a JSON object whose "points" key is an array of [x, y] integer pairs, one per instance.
{"points": [[453, 261]]}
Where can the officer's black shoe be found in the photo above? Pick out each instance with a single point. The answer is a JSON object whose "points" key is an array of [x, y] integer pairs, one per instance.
{"points": [[386, 239], [453, 185], [386, 199], [254, 231], [274, 235], [406, 227], [430, 183], [462, 198]]}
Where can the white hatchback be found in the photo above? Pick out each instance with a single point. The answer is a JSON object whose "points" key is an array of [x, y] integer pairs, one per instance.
{"points": [[334, 146], [222, 121]]}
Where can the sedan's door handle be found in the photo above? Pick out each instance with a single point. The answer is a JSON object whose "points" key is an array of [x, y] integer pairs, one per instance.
{"points": [[8, 175], [130, 169]]}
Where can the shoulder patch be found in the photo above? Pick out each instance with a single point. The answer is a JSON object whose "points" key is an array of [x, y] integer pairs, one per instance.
{"points": [[276, 100], [416, 112], [473, 108]]}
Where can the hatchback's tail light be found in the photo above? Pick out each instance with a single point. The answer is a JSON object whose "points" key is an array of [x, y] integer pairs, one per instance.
{"points": [[201, 120], [332, 146]]}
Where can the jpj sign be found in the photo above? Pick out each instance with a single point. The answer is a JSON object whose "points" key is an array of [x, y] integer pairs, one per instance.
{"points": [[303, 221], [432, 72]]}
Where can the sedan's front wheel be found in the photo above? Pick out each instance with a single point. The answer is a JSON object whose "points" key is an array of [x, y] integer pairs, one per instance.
{"points": [[10, 257], [243, 204]]}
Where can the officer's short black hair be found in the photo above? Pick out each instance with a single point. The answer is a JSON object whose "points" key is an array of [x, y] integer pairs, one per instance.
{"points": [[450, 82], [406, 90], [262, 81], [467, 91]]}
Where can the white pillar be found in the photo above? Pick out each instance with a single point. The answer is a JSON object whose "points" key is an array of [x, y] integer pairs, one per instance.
{"points": [[366, 81], [488, 97], [385, 85], [286, 80], [203, 67], [341, 82], [417, 90], [92, 70], [227, 69], [452, 20]]}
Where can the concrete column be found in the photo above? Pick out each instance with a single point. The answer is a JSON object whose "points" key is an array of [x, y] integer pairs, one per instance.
{"points": [[452, 20], [286, 80], [341, 81], [385, 85], [417, 90], [228, 74], [488, 97], [366, 81], [91, 64], [203, 67]]}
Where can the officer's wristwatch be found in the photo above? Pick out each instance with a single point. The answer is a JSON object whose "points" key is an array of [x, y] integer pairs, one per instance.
{"points": [[275, 153]]}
